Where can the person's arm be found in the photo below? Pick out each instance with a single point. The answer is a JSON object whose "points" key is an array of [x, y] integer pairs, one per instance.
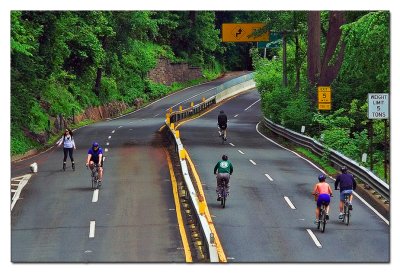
{"points": [[314, 192], [354, 182], [337, 182], [89, 156], [60, 141], [330, 190], [73, 143], [101, 160], [230, 173], [215, 168]]}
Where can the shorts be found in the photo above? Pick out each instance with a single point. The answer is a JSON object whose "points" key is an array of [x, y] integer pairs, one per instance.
{"points": [[222, 126], [343, 193], [323, 198]]}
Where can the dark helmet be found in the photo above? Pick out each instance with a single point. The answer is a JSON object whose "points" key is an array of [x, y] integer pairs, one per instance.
{"points": [[95, 145], [343, 169], [225, 157], [321, 178]]}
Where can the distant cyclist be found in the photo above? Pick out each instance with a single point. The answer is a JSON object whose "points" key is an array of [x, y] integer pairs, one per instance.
{"points": [[222, 123], [322, 192], [347, 184], [225, 169], [95, 156]]}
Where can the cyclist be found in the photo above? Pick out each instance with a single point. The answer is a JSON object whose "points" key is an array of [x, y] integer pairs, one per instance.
{"points": [[323, 192], [67, 140], [225, 170], [95, 156], [222, 123], [347, 184]]}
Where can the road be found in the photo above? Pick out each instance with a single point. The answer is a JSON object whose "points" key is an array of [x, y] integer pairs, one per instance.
{"points": [[132, 218], [270, 211]]}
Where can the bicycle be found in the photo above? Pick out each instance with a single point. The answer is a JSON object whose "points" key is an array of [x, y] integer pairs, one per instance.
{"points": [[322, 217], [222, 134], [346, 209], [95, 176], [223, 192]]}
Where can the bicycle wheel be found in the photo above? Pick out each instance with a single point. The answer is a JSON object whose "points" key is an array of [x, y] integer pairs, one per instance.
{"points": [[323, 220], [346, 215], [93, 182]]}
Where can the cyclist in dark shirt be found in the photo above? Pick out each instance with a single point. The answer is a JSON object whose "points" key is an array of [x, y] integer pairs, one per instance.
{"points": [[222, 123], [347, 184], [95, 156]]}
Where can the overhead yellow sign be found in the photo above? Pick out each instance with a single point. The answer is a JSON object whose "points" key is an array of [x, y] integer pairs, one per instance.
{"points": [[242, 32]]}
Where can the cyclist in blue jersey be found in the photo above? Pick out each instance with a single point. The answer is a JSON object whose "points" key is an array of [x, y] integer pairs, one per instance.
{"points": [[95, 156], [347, 184]]}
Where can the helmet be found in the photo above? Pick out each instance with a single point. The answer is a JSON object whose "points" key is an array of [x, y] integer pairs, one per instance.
{"points": [[225, 157], [343, 169], [95, 145], [321, 178]]}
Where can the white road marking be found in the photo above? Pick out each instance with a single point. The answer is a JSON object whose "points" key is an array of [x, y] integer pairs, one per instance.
{"points": [[252, 162], [108, 143], [120, 127], [232, 144], [236, 115], [157, 115], [269, 177], [314, 238], [23, 180], [240, 152], [109, 137], [252, 105], [95, 197], [113, 132], [230, 258], [92, 229], [171, 209], [322, 171], [289, 202]]}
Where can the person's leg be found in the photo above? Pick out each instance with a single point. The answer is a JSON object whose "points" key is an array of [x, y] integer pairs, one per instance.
{"points": [[65, 155], [71, 156], [218, 190]]}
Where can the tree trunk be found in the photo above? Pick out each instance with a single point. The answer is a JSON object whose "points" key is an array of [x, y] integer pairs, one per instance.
{"points": [[314, 46], [332, 62], [97, 84]]}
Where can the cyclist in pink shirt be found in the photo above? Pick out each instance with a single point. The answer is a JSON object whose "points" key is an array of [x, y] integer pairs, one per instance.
{"points": [[323, 193]]}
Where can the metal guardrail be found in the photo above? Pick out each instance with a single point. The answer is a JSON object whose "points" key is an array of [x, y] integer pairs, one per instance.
{"points": [[335, 157], [221, 92]]}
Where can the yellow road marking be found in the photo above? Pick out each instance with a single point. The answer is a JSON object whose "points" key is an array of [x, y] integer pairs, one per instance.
{"points": [[220, 250], [188, 254]]}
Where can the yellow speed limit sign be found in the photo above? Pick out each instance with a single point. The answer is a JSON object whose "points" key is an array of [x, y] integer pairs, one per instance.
{"points": [[324, 94]]}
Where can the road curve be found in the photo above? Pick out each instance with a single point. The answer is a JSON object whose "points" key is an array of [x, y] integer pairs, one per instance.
{"points": [[132, 218], [270, 212]]}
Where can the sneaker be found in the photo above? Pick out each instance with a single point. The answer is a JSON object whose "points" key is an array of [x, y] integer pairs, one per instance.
{"points": [[64, 165], [73, 166], [340, 216], [99, 183], [350, 207], [219, 198], [327, 217], [316, 221]]}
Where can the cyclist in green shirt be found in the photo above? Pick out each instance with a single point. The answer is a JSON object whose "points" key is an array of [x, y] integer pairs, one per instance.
{"points": [[225, 170]]}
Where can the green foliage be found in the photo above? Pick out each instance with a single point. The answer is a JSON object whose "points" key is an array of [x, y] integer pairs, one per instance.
{"points": [[37, 118], [320, 161]]}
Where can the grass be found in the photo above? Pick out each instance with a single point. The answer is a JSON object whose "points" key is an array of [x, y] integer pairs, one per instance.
{"points": [[317, 160]]}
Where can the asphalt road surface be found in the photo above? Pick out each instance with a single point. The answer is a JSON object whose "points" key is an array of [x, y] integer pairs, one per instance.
{"points": [[132, 217], [270, 211]]}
